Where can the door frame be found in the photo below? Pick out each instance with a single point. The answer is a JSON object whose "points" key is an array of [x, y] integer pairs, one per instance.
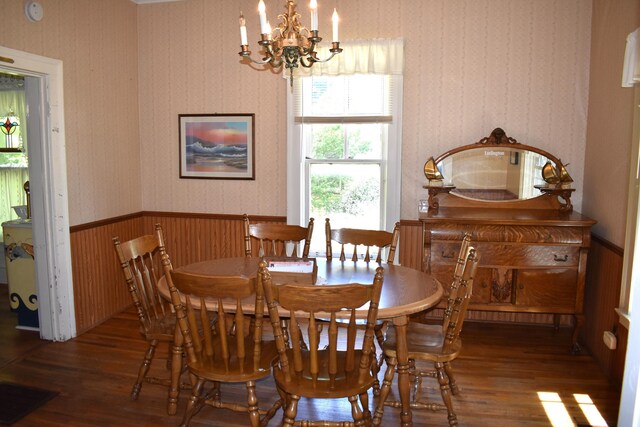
{"points": [[50, 221]]}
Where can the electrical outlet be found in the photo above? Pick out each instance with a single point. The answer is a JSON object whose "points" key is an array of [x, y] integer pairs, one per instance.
{"points": [[610, 340]]}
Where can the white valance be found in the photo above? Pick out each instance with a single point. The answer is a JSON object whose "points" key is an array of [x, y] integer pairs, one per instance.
{"points": [[631, 67], [374, 56]]}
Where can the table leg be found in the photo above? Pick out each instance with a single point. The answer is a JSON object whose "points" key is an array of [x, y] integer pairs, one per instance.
{"points": [[176, 371], [400, 323]]}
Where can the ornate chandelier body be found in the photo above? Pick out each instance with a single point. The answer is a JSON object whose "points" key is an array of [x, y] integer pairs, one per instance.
{"points": [[289, 44]]}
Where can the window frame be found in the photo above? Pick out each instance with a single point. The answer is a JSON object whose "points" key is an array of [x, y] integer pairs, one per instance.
{"points": [[297, 193]]}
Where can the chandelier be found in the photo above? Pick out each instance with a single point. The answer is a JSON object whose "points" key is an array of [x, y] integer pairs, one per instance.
{"points": [[289, 44]]}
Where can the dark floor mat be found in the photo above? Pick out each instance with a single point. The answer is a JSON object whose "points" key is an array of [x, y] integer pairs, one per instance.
{"points": [[16, 401]]}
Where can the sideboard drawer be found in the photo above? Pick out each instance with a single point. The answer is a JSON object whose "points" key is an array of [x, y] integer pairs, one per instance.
{"points": [[456, 232], [510, 255], [542, 234]]}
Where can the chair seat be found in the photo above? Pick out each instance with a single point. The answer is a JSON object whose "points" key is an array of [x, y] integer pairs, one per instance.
{"points": [[343, 384], [216, 368], [424, 342]]}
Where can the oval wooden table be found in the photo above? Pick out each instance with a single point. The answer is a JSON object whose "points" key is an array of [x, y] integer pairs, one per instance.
{"points": [[405, 291]]}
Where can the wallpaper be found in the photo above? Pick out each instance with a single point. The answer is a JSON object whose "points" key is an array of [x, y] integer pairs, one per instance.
{"points": [[470, 67], [97, 42], [129, 70], [610, 122]]}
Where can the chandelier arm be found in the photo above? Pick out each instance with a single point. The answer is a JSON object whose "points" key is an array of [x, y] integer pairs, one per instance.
{"points": [[265, 60], [314, 60]]}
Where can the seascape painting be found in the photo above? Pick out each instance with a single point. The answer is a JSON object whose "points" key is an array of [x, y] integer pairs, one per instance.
{"points": [[216, 146]]}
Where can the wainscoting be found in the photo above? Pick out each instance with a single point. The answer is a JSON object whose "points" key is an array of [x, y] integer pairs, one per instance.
{"points": [[100, 292], [99, 288], [602, 295]]}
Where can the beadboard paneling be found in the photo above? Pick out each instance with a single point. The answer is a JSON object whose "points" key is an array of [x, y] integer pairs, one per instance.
{"points": [[602, 295], [410, 246], [99, 290]]}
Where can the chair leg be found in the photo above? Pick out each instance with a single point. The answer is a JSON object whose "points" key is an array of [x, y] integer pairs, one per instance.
{"points": [[290, 411], [384, 391], [144, 369], [452, 381], [377, 329], [375, 370], [443, 379], [366, 411], [356, 411], [176, 372], [252, 404], [195, 402]]}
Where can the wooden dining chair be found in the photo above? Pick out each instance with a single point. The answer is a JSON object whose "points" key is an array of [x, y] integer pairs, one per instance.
{"points": [[275, 239], [365, 239], [433, 343], [327, 372], [139, 259], [228, 352]]}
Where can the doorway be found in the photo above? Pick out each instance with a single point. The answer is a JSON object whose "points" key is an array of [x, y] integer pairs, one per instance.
{"points": [[47, 166]]}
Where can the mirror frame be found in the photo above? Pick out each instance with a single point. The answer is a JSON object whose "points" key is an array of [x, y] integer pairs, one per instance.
{"points": [[499, 139]]}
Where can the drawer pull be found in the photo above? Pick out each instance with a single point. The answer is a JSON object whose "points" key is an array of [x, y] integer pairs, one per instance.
{"points": [[560, 259], [450, 255]]}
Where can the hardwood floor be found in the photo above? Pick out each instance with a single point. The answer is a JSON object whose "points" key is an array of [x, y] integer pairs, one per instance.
{"points": [[501, 371]]}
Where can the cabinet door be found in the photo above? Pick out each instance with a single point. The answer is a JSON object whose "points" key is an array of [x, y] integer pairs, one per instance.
{"points": [[551, 290], [481, 283]]}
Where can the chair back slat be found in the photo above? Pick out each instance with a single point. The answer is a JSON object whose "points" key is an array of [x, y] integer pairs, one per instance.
{"points": [[206, 331], [313, 346], [294, 331], [333, 345], [193, 325], [365, 239], [351, 341], [277, 240]]}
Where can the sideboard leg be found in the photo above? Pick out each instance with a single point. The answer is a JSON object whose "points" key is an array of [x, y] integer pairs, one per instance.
{"points": [[575, 346]]}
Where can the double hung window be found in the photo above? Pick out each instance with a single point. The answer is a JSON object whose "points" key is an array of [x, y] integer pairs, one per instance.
{"points": [[344, 151]]}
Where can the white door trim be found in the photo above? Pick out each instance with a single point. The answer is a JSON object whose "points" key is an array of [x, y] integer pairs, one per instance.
{"points": [[51, 223]]}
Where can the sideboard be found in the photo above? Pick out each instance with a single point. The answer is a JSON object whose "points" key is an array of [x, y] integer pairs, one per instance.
{"points": [[533, 247]]}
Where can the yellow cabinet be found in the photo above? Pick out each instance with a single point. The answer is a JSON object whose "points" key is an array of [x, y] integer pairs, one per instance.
{"points": [[21, 272]]}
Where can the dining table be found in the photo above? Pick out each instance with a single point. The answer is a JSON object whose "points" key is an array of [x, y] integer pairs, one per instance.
{"points": [[405, 291]]}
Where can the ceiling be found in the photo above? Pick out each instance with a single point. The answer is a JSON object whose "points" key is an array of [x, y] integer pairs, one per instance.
{"points": [[152, 1]]}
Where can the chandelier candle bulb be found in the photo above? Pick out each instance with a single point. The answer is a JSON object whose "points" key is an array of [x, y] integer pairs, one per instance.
{"points": [[262, 10], [313, 5], [268, 31], [243, 31], [334, 20]]}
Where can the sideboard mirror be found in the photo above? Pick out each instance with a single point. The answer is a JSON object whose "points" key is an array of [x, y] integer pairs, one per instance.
{"points": [[498, 169]]}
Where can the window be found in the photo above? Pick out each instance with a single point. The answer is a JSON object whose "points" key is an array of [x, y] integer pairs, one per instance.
{"points": [[344, 151], [14, 170]]}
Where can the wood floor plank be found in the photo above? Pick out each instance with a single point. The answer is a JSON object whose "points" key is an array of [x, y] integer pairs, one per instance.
{"points": [[501, 370]]}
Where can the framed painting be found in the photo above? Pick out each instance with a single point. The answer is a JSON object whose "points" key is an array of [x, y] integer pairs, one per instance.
{"points": [[217, 146]]}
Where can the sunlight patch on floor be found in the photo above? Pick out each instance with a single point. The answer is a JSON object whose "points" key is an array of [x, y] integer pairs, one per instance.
{"points": [[590, 411], [555, 409], [559, 415]]}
